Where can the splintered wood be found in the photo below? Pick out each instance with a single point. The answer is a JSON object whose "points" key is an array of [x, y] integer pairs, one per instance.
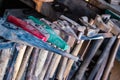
{"points": [[23, 62]]}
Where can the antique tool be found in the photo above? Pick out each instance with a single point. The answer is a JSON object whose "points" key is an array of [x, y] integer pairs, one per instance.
{"points": [[111, 60], [115, 29], [29, 28], [51, 65], [83, 37], [70, 21], [86, 44], [4, 59], [24, 62], [54, 64], [18, 61], [46, 66], [92, 50], [101, 25], [102, 68], [38, 27], [21, 36], [91, 37], [40, 61], [43, 53], [88, 25], [102, 57], [64, 25], [10, 69], [75, 52], [109, 26], [32, 63], [53, 39], [63, 63]]}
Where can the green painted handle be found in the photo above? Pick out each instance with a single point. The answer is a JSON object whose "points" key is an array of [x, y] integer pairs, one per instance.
{"points": [[54, 38]]}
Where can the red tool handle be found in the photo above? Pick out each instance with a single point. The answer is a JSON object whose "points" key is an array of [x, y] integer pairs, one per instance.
{"points": [[29, 28]]}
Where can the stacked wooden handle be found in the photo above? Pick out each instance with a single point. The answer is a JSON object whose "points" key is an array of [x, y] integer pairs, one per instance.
{"points": [[31, 63]]}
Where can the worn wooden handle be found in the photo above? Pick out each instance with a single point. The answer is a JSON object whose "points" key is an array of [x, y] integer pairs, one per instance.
{"points": [[40, 61], [4, 58], [102, 57], [70, 62], [111, 60], [24, 62], [93, 49], [46, 65], [18, 61], [32, 64]]}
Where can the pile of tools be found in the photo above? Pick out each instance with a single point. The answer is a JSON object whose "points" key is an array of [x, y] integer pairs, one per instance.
{"points": [[37, 49]]}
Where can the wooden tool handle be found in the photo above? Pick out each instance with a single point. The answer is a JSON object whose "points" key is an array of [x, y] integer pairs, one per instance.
{"points": [[62, 67], [18, 61], [52, 64], [93, 49], [111, 60], [4, 58], [55, 66], [63, 63], [46, 65], [32, 64], [24, 62], [102, 57], [70, 62], [40, 61]]}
